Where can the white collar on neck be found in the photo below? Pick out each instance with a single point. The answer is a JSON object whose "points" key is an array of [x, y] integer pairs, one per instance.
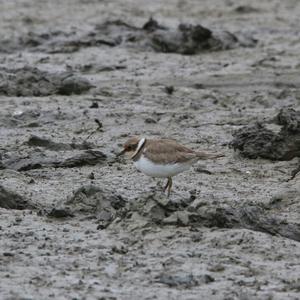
{"points": [[140, 145]]}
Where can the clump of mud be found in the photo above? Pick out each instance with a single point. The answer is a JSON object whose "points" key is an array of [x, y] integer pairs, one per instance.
{"points": [[12, 200], [97, 201], [39, 160], [153, 209], [189, 39], [28, 81], [60, 155], [185, 39], [256, 140], [37, 141]]}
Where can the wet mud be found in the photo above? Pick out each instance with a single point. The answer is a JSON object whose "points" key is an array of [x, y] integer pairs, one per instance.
{"points": [[185, 39], [28, 81], [256, 140], [77, 79]]}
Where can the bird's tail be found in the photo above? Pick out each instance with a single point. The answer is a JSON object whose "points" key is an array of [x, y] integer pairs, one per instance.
{"points": [[206, 155]]}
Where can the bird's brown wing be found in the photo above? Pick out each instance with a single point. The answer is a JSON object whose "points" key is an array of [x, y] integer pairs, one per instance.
{"points": [[207, 155], [167, 152]]}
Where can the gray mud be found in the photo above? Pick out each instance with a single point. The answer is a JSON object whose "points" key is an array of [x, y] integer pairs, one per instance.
{"points": [[185, 39], [76, 79], [28, 81], [257, 140]]}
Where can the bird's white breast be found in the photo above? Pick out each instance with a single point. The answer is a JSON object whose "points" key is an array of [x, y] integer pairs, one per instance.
{"points": [[149, 168]]}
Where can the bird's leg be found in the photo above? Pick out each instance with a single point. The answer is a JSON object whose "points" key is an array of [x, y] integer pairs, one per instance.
{"points": [[170, 186], [168, 182]]}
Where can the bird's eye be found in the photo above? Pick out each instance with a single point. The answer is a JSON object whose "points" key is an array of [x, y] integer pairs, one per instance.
{"points": [[131, 147]]}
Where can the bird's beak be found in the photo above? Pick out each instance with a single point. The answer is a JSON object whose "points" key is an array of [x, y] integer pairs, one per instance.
{"points": [[121, 153]]}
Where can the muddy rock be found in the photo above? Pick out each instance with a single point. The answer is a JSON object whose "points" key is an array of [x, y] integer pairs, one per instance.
{"points": [[257, 140], [29, 81]]}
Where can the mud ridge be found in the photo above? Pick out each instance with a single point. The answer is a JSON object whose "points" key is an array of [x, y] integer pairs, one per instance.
{"points": [[12, 200], [97, 201], [36, 141], [37, 160], [29, 81], [256, 140], [154, 209], [185, 39]]}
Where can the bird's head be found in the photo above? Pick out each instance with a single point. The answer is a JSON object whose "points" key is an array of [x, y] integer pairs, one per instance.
{"points": [[131, 146]]}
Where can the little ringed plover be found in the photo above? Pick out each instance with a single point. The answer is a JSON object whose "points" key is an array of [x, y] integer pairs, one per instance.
{"points": [[162, 158]]}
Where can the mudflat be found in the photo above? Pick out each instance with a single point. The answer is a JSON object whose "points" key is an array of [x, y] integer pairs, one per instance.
{"points": [[77, 78]]}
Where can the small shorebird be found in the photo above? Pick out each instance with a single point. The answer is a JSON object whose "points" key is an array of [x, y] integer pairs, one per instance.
{"points": [[162, 158]]}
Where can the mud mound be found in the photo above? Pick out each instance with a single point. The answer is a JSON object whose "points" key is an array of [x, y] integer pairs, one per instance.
{"points": [[36, 141], [97, 201], [154, 208], [251, 217], [12, 200], [256, 140], [28, 81], [289, 119], [88, 157], [38, 160], [185, 39], [36, 117]]}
